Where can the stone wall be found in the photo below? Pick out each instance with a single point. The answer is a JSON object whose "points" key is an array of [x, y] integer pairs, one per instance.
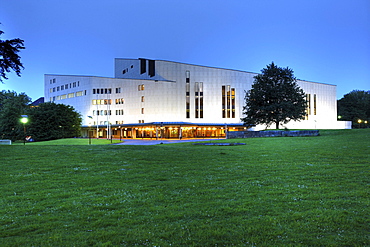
{"points": [[270, 133]]}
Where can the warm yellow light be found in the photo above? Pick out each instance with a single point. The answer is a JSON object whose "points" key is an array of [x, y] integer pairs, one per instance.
{"points": [[365, 122], [359, 121]]}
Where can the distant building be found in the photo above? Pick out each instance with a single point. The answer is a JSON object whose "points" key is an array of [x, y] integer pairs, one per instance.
{"points": [[37, 102], [156, 98]]}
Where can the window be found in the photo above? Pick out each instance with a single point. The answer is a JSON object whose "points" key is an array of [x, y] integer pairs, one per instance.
{"points": [[120, 101], [314, 104], [142, 99], [118, 90], [187, 93], [94, 91], [142, 66], [51, 90], [141, 87], [66, 86], [79, 93], [63, 96], [228, 101], [198, 99], [151, 68], [71, 95], [62, 87], [142, 110]]}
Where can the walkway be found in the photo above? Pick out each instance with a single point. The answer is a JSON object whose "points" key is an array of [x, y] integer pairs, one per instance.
{"points": [[164, 141]]}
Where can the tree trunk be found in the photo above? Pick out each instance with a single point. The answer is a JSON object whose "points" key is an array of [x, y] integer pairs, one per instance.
{"points": [[277, 125]]}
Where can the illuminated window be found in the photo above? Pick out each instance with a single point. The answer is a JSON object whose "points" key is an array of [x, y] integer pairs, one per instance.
{"points": [[187, 90], [142, 99], [228, 102], [314, 104], [142, 110], [79, 93], [71, 95]]}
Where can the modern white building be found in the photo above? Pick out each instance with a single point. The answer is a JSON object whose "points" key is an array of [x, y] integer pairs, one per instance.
{"points": [[156, 98]]}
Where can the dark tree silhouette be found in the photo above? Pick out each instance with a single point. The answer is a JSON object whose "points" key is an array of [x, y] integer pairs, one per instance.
{"points": [[9, 58], [275, 97]]}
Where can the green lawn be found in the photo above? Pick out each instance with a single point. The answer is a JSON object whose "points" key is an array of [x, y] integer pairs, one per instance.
{"points": [[288, 191], [71, 141]]}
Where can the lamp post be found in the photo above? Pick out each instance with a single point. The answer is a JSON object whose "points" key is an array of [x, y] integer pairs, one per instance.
{"points": [[88, 131], [24, 120], [359, 123]]}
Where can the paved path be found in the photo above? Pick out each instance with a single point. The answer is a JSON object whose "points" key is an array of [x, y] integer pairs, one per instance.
{"points": [[155, 142]]}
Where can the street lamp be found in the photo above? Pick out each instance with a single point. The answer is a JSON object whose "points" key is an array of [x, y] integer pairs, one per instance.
{"points": [[24, 120], [359, 123], [88, 131]]}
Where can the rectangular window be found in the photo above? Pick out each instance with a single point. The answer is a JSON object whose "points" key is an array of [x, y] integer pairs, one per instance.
{"points": [[118, 90], [228, 102], [142, 110], [63, 96], [196, 89], [314, 104], [79, 93], [51, 90], [62, 87], [66, 86], [233, 102], [151, 68], [308, 109], [200, 99], [142, 66], [142, 99], [223, 101], [71, 95]]}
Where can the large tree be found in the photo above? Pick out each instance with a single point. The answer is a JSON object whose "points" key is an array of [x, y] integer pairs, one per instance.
{"points": [[9, 58], [355, 106], [50, 121], [12, 106], [275, 97]]}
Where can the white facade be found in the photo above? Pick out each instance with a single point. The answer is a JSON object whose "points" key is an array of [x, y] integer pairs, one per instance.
{"points": [[147, 91]]}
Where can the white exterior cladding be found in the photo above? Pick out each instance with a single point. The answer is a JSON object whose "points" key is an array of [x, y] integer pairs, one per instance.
{"points": [[163, 96]]}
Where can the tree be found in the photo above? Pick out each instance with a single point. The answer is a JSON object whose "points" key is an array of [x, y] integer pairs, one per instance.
{"points": [[12, 106], [9, 58], [275, 97], [49, 121], [355, 106]]}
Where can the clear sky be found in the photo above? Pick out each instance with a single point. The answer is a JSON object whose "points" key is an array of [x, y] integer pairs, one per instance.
{"points": [[324, 41]]}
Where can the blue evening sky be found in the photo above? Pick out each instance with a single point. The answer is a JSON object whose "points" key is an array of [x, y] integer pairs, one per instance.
{"points": [[324, 41]]}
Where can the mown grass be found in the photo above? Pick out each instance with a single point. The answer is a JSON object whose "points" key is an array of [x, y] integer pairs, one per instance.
{"points": [[70, 141], [288, 191]]}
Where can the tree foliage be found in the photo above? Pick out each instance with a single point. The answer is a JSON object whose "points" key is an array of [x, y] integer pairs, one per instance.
{"points": [[275, 97], [9, 58], [49, 121], [12, 106], [355, 106]]}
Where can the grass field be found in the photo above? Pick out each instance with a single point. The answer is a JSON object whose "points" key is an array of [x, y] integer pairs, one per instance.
{"points": [[288, 191], [70, 141]]}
